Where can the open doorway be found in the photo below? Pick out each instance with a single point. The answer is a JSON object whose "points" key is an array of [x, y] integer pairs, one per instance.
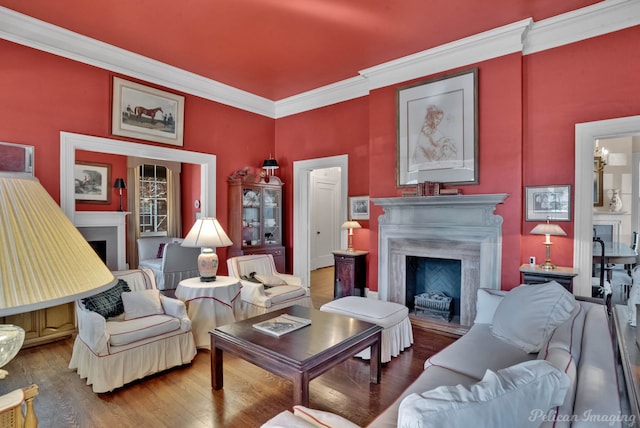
{"points": [[302, 182]]}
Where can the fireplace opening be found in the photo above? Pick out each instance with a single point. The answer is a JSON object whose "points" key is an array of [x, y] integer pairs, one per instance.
{"points": [[100, 247], [433, 287]]}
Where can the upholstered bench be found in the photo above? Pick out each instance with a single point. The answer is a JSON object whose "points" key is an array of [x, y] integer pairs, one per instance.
{"points": [[392, 317]]}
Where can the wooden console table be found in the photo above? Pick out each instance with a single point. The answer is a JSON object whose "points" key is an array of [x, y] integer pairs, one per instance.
{"points": [[629, 355], [536, 275]]}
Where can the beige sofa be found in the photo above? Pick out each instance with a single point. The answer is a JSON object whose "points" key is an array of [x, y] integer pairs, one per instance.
{"points": [[577, 345]]}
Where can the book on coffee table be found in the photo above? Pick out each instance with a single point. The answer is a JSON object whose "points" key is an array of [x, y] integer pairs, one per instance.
{"points": [[282, 324]]}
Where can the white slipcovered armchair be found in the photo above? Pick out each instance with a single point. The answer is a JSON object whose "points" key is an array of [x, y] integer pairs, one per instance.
{"points": [[177, 262], [151, 335], [276, 291]]}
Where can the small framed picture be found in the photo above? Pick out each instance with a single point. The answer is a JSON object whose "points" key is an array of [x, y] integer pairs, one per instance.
{"points": [[92, 182], [548, 202], [359, 208]]}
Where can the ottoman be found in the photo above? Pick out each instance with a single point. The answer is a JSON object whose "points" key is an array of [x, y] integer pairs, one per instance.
{"points": [[392, 317]]}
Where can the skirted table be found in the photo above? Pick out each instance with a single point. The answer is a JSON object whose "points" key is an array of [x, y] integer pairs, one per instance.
{"points": [[210, 304]]}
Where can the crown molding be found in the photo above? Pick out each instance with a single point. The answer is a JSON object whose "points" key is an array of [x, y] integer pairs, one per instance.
{"points": [[524, 36], [591, 21], [37, 34], [480, 47]]}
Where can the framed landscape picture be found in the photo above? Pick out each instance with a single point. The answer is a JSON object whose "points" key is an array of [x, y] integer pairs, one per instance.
{"points": [[548, 202], [147, 113], [437, 131], [92, 182]]}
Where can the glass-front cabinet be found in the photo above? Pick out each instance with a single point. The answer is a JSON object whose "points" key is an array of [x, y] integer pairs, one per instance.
{"points": [[255, 217]]}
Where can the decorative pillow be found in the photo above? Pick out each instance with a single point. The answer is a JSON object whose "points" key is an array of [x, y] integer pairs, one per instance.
{"points": [[528, 314], [512, 397], [251, 278], [160, 250], [486, 305], [322, 419], [141, 303], [270, 280], [109, 302]]}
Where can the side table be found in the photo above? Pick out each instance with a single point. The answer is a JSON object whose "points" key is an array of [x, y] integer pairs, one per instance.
{"points": [[210, 304], [350, 273], [535, 275]]}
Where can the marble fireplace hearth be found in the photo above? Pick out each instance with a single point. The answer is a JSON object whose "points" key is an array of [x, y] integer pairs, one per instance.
{"points": [[463, 227]]}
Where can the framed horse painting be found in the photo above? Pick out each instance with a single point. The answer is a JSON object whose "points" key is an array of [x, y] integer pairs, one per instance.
{"points": [[147, 113]]}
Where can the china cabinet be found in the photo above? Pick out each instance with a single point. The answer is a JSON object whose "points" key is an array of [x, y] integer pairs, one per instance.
{"points": [[255, 217]]}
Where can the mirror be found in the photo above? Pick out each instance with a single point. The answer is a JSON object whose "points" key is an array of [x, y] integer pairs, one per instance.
{"points": [[598, 168]]}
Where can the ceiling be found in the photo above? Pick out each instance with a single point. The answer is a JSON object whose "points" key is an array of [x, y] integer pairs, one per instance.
{"points": [[279, 48]]}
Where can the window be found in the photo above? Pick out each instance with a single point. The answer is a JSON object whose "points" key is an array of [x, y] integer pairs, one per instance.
{"points": [[153, 200]]}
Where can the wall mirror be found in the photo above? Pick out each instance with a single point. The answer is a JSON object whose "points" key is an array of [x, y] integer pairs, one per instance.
{"points": [[598, 168]]}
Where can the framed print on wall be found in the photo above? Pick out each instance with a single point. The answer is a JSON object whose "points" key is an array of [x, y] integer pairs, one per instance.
{"points": [[437, 130], [92, 182], [359, 208], [146, 113], [548, 202]]}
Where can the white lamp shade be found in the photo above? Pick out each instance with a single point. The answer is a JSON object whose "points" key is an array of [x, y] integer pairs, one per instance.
{"points": [[548, 229], [206, 232], [44, 260], [351, 225]]}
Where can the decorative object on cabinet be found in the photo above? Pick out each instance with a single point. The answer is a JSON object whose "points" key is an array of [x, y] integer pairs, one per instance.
{"points": [[350, 225], [350, 273], [615, 204], [255, 216], [207, 233], [359, 208], [63, 267], [547, 229], [120, 184], [548, 202], [438, 130], [92, 182], [147, 113], [270, 165]]}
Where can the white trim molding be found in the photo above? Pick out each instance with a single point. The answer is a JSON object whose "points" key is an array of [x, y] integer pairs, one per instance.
{"points": [[524, 36]]}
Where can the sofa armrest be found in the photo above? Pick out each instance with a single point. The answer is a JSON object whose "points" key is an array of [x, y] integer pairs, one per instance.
{"points": [[253, 293], [176, 308], [92, 330]]}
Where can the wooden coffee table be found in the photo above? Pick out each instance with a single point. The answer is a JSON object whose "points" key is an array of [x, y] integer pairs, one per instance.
{"points": [[300, 355]]}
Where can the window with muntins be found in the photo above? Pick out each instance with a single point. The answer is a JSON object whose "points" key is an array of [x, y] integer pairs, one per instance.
{"points": [[153, 200]]}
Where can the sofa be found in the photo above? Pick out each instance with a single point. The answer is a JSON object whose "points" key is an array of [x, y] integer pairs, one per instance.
{"points": [[535, 356], [130, 331], [169, 261]]}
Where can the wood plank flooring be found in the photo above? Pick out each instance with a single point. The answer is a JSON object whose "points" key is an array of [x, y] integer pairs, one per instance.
{"points": [[182, 397]]}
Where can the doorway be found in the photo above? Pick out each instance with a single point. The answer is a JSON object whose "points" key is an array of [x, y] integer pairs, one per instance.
{"points": [[585, 136], [302, 208], [325, 216]]}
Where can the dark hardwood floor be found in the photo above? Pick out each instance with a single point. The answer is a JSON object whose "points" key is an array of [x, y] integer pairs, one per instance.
{"points": [[182, 397]]}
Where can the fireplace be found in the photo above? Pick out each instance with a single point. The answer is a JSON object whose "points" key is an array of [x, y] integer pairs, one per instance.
{"points": [[433, 287], [108, 226], [462, 228]]}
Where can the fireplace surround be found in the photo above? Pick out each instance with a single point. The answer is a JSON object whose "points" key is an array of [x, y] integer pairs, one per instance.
{"points": [[461, 227]]}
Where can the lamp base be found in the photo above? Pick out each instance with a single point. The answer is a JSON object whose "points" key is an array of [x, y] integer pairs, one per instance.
{"points": [[207, 265], [547, 265]]}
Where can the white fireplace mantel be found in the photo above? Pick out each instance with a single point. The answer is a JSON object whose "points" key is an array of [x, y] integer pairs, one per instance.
{"points": [[115, 219], [463, 227]]}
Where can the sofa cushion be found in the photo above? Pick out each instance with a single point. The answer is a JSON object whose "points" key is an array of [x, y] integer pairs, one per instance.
{"points": [[161, 250], [488, 352], [142, 303], [503, 399], [321, 419], [125, 332], [109, 302], [568, 335], [528, 314], [487, 301]]}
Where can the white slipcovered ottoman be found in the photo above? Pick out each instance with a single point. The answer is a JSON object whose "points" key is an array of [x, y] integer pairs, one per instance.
{"points": [[392, 317]]}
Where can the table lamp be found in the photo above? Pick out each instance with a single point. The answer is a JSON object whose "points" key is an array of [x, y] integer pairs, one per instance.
{"points": [[547, 230], [120, 184], [207, 233], [44, 260], [350, 225]]}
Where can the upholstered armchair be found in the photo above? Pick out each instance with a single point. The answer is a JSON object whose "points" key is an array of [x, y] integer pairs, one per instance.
{"points": [[174, 264], [126, 335], [263, 288]]}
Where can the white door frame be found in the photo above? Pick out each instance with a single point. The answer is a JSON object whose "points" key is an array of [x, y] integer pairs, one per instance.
{"points": [[586, 134], [301, 202]]}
